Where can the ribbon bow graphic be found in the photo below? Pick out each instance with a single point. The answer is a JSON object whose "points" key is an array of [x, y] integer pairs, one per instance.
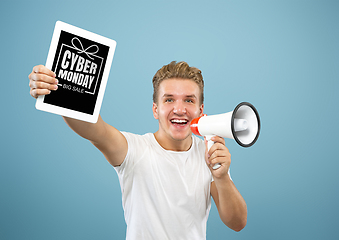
{"points": [[82, 50]]}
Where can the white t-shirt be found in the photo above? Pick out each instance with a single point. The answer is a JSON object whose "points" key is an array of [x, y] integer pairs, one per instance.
{"points": [[165, 194]]}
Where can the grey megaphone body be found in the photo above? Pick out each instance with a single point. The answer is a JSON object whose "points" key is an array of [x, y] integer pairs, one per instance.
{"points": [[242, 124]]}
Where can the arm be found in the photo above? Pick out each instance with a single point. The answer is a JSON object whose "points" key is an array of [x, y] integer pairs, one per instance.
{"points": [[106, 138], [230, 204]]}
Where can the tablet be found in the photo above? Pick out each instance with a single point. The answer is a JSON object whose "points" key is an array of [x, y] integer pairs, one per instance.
{"points": [[81, 61]]}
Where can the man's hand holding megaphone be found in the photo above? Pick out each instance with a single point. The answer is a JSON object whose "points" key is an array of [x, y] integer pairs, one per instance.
{"points": [[219, 154]]}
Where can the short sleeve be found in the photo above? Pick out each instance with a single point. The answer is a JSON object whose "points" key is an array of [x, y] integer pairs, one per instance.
{"points": [[120, 169], [136, 146]]}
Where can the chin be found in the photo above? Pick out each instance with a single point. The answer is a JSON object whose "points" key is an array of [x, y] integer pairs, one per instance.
{"points": [[181, 136]]}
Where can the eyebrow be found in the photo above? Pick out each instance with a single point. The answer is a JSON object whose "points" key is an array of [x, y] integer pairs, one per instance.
{"points": [[171, 95]]}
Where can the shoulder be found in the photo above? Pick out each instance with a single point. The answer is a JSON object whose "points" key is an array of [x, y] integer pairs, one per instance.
{"points": [[137, 145], [198, 142], [132, 137], [137, 142], [198, 147]]}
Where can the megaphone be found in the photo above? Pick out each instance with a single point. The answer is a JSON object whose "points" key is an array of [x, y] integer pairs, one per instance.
{"points": [[242, 124]]}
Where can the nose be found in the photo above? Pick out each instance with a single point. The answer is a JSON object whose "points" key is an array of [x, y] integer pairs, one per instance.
{"points": [[179, 108]]}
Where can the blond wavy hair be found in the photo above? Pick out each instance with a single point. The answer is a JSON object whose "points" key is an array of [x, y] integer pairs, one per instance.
{"points": [[180, 70]]}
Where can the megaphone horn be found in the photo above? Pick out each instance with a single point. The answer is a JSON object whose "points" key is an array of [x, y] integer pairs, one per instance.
{"points": [[242, 124]]}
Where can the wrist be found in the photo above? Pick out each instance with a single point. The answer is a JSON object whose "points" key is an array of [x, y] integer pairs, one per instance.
{"points": [[222, 179]]}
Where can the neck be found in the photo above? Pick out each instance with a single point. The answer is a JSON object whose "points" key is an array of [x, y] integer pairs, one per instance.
{"points": [[174, 144]]}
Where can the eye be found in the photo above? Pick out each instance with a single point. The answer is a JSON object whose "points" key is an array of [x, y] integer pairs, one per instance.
{"points": [[189, 100], [169, 100]]}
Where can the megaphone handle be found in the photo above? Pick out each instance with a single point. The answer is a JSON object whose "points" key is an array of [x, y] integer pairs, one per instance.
{"points": [[209, 145]]}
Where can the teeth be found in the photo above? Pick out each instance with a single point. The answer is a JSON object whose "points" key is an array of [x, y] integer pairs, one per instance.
{"points": [[179, 121]]}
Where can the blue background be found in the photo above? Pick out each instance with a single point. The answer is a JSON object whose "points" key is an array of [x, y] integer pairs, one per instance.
{"points": [[282, 56]]}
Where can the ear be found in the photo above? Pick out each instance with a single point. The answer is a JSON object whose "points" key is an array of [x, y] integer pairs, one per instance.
{"points": [[201, 110], [155, 111]]}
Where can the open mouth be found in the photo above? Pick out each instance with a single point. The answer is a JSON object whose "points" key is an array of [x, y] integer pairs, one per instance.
{"points": [[180, 122]]}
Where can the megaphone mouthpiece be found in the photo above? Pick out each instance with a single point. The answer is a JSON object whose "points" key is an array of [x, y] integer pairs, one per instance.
{"points": [[194, 126]]}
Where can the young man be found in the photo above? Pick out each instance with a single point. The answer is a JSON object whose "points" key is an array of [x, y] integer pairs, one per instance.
{"points": [[166, 178]]}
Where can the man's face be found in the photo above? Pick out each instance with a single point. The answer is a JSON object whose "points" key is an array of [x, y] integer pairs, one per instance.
{"points": [[178, 103]]}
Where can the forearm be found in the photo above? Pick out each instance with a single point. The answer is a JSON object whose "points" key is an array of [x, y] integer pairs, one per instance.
{"points": [[231, 205], [90, 131], [106, 138]]}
